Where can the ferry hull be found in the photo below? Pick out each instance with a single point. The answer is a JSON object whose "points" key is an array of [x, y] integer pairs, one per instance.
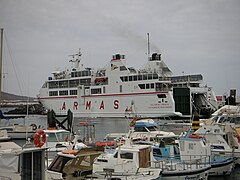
{"points": [[120, 105]]}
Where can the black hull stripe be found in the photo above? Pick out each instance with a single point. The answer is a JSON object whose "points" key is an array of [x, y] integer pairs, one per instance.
{"points": [[184, 173]]}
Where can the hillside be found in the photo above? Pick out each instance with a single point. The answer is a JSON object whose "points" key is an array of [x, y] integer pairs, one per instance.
{"points": [[7, 97], [19, 104]]}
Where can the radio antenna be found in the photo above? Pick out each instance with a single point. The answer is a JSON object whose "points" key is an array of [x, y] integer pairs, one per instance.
{"points": [[148, 45]]}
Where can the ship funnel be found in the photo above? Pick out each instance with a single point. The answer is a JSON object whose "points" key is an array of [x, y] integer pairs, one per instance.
{"points": [[155, 57], [118, 57]]}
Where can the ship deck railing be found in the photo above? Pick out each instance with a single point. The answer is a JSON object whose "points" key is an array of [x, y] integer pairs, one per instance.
{"points": [[174, 163], [186, 78]]}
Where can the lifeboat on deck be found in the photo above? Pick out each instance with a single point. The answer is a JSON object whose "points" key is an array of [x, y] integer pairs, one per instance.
{"points": [[100, 79]]}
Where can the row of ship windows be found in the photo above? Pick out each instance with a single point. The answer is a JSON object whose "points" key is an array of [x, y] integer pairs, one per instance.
{"points": [[158, 86], [77, 82], [66, 83], [139, 77], [62, 93], [80, 73], [74, 92]]}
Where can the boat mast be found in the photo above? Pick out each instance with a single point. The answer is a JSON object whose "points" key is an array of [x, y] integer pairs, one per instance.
{"points": [[1, 55]]}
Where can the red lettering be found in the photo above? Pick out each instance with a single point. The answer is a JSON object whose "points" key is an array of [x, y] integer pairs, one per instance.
{"points": [[64, 106], [102, 105], [75, 105], [116, 104], [88, 104]]}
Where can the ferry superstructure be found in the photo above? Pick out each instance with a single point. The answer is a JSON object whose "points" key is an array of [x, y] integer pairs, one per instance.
{"points": [[113, 91]]}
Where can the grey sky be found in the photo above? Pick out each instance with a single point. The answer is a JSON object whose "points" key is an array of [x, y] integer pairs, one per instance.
{"points": [[194, 36]]}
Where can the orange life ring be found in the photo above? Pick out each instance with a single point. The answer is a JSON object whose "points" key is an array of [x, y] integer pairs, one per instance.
{"points": [[40, 138]]}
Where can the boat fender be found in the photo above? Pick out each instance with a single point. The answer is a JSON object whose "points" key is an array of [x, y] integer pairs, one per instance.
{"points": [[34, 126], [39, 138]]}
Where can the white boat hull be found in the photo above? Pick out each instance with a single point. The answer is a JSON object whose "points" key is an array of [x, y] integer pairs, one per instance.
{"points": [[221, 169], [18, 131], [21, 135]]}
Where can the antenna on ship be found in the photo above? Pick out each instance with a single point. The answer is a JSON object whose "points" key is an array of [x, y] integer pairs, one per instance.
{"points": [[148, 45], [1, 56], [76, 58]]}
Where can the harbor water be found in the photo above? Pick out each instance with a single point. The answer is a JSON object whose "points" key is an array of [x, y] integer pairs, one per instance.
{"points": [[104, 126]]}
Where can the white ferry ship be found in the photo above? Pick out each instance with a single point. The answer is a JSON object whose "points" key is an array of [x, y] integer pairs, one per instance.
{"points": [[118, 90], [114, 91]]}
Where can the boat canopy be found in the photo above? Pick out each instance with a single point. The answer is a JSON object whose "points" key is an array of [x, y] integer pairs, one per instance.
{"points": [[9, 157], [145, 124]]}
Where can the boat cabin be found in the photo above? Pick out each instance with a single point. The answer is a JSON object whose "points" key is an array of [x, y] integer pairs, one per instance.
{"points": [[124, 160], [70, 164], [57, 139]]}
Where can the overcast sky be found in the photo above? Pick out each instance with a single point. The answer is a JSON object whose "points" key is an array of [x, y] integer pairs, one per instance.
{"points": [[194, 36]]}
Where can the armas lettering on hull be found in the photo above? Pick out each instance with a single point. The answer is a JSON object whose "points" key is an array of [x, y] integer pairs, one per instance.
{"points": [[88, 105]]}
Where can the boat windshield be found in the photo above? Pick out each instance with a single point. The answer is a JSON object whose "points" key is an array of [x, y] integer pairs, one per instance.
{"points": [[227, 119], [152, 128], [140, 129], [145, 129], [63, 136], [59, 163], [58, 137]]}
